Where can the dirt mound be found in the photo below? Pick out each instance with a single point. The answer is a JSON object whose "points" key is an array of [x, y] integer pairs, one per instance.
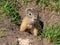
{"points": [[11, 37]]}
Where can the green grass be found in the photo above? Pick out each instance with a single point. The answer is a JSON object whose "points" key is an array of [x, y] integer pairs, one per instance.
{"points": [[53, 4], [52, 33], [9, 8]]}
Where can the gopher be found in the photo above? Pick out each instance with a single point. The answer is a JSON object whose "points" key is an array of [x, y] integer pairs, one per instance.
{"points": [[30, 21]]}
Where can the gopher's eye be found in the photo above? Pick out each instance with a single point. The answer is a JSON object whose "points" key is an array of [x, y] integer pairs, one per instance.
{"points": [[30, 14]]}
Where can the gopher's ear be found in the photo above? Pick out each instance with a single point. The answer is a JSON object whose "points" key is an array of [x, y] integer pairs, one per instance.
{"points": [[27, 9]]}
